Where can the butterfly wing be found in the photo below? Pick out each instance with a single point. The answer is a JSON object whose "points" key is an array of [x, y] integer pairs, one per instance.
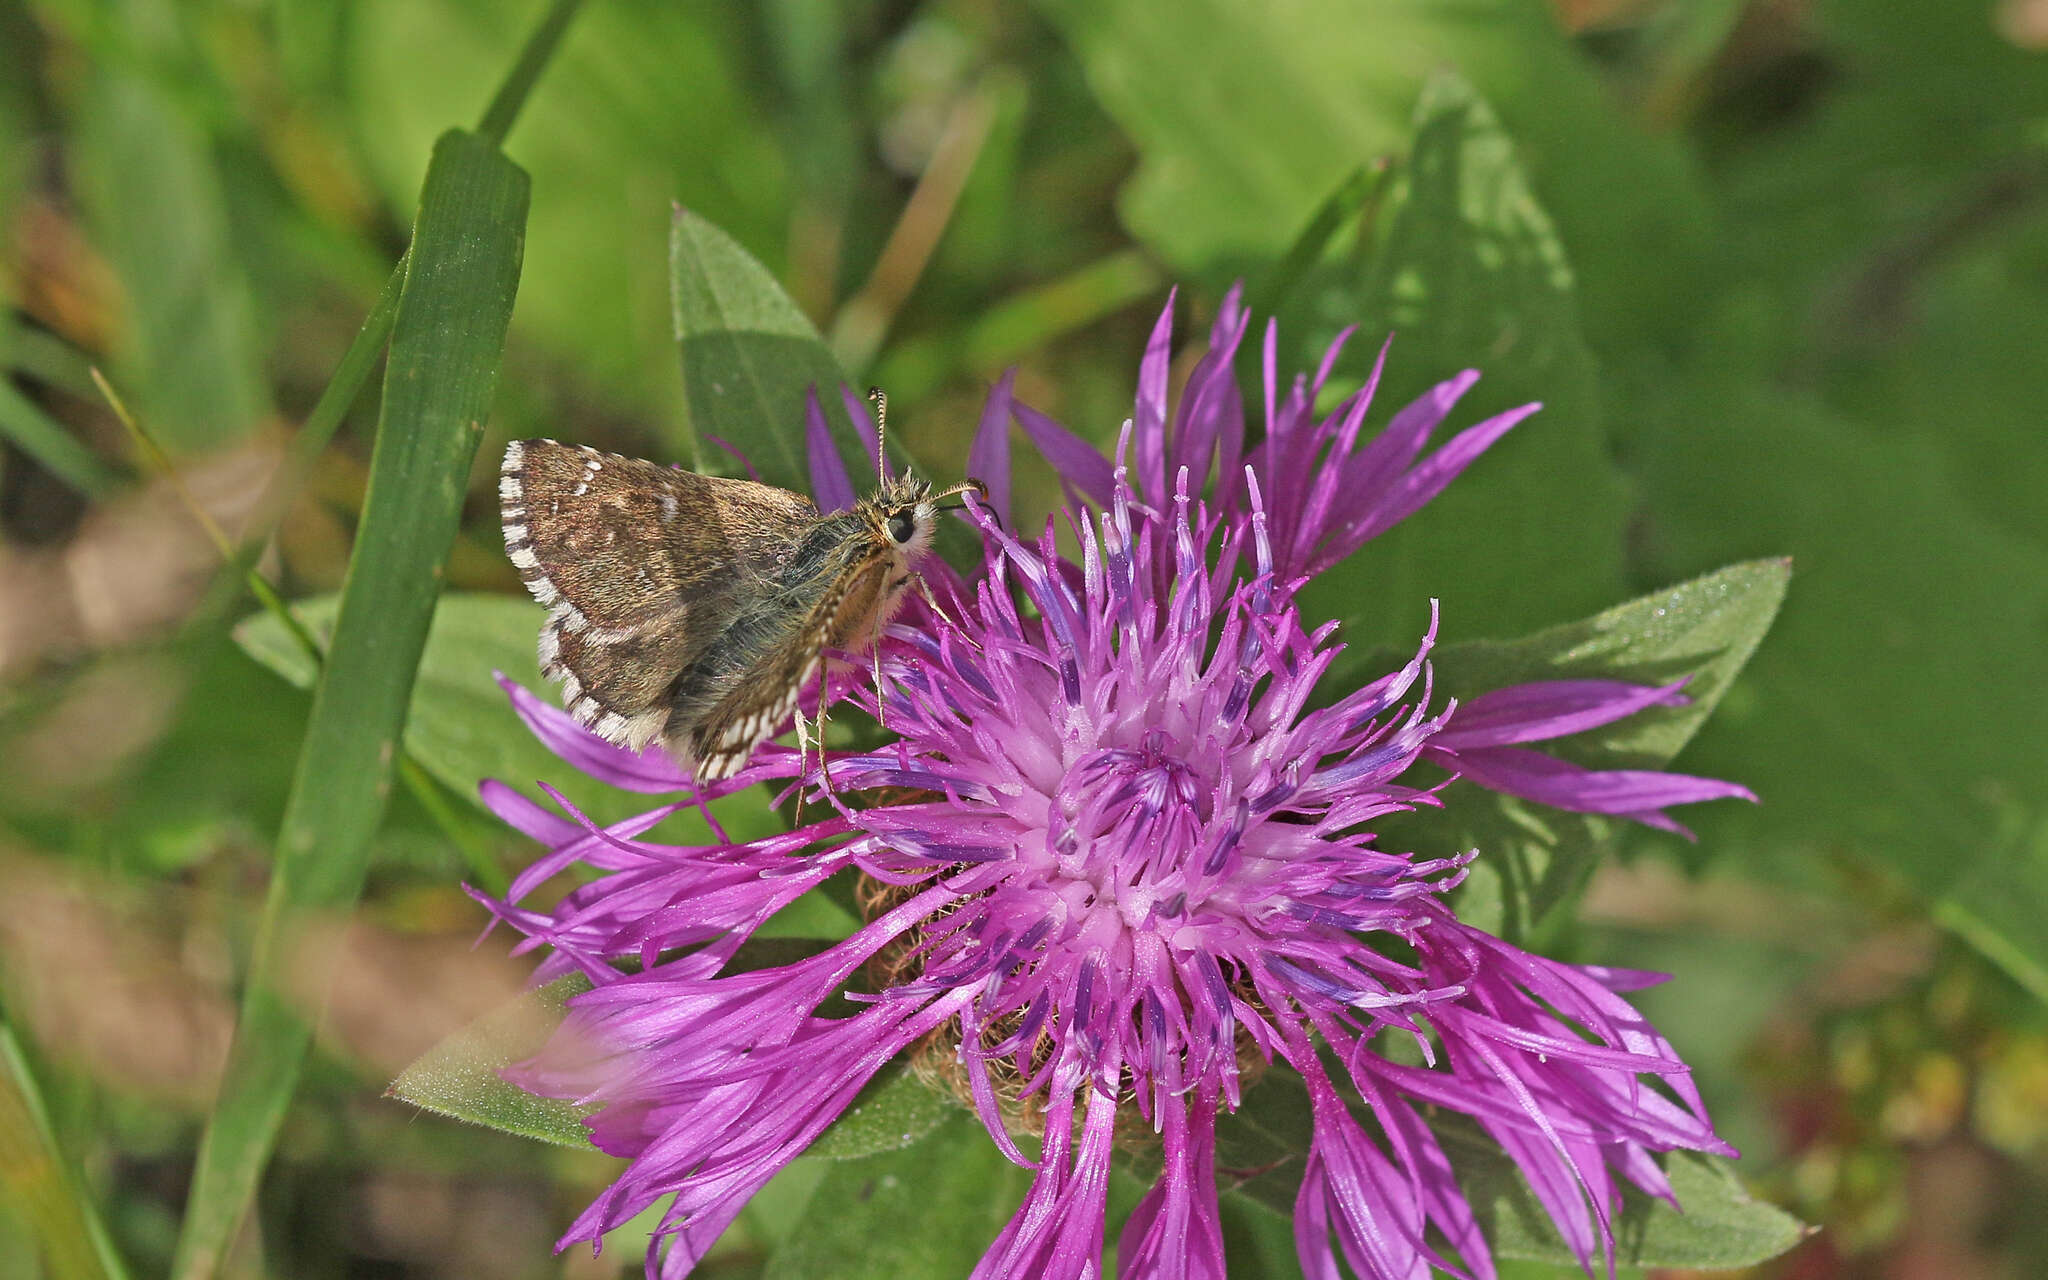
{"points": [[765, 692], [641, 566]]}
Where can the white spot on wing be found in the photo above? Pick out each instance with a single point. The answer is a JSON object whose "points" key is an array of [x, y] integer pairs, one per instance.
{"points": [[515, 533], [525, 559]]}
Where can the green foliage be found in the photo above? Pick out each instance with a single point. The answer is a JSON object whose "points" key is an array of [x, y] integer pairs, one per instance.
{"points": [[459, 725], [1907, 682], [955, 1187], [1720, 1225], [447, 340], [748, 354], [1779, 286], [1470, 264], [1536, 861], [897, 1110], [1245, 117], [642, 107], [43, 1188], [149, 179], [458, 1077]]}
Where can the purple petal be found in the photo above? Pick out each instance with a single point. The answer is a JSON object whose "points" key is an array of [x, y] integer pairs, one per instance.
{"points": [[988, 458], [647, 772], [1562, 785], [1367, 476], [746, 463], [1408, 494], [1550, 709], [1176, 1232], [1077, 461], [1149, 419], [829, 485]]}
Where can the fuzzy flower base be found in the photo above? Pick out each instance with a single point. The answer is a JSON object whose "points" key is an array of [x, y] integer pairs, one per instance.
{"points": [[1127, 829]]}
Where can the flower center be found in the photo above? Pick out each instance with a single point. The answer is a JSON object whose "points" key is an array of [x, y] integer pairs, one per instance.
{"points": [[1125, 822]]}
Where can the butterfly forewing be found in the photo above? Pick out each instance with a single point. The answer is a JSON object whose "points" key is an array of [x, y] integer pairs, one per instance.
{"points": [[641, 567]]}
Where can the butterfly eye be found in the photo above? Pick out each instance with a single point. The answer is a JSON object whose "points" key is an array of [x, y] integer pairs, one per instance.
{"points": [[902, 527]]}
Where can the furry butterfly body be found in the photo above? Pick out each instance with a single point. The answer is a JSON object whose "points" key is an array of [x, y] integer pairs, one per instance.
{"points": [[692, 609]]}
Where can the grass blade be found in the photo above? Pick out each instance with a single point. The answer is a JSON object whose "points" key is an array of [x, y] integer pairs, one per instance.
{"points": [[533, 59], [40, 1186], [44, 439], [446, 346]]}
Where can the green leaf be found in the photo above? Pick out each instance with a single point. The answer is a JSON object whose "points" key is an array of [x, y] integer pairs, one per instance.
{"points": [[1721, 1224], [1535, 860], [43, 438], [459, 725], [645, 104], [1705, 629], [446, 344], [925, 1210], [896, 1110], [1470, 273], [459, 1076], [41, 1184], [1897, 712], [190, 344], [749, 355], [1246, 116]]}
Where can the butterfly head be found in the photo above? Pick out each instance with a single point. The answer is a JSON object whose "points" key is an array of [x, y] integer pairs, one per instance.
{"points": [[904, 513]]}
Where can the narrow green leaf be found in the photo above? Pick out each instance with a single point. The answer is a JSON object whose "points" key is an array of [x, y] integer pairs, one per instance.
{"points": [[749, 355], [925, 1210], [459, 725], [40, 1184], [1355, 197], [518, 84], [459, 1077], [45, 357], [44, 439], [1720, 1224], [447, 342], [896, 1110]]}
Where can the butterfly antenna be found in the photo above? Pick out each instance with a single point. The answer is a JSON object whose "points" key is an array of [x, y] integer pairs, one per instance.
{"points": [[880, 399]]}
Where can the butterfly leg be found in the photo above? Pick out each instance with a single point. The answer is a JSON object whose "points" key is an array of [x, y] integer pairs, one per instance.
{"points": [[925, 589], [803, 751], [881, 707], [824, 767]]}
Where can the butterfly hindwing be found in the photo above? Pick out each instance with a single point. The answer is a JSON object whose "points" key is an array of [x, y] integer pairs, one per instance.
{"points": [[764, 695], [641, 567]]}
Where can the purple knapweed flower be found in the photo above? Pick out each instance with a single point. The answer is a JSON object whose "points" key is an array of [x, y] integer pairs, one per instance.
{"points": [[1121, 846]]}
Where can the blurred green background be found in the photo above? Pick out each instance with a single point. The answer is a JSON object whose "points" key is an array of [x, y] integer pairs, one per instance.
{"points": [[1779, 269]]}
